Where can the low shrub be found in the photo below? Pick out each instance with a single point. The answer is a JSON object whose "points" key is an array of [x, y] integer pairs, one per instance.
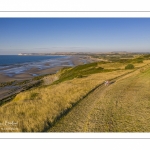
{"points": [[129, 66]]}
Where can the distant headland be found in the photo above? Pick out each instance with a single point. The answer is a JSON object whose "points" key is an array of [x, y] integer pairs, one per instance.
{"points": [[72, 53]]}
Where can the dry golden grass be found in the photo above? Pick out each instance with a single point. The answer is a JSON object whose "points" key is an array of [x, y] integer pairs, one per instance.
{"points": [[124, 106], [121, 107], [35, 110]]}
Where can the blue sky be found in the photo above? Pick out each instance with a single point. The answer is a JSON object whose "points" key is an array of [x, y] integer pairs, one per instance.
{"points": [[19, 35]]}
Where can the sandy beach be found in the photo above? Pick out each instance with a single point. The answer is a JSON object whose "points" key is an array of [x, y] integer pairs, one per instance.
{"points": [[29, 74]]}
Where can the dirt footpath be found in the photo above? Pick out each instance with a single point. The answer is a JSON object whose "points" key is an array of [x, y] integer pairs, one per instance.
{"points": [[77, 119]]}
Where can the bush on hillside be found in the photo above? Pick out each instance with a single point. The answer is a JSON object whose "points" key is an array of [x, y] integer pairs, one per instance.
{"points": [[129, 66], [139, 60]]}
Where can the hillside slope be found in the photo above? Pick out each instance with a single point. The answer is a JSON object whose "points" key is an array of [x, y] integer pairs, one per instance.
{"points": [[123, 106], [80, 91]]}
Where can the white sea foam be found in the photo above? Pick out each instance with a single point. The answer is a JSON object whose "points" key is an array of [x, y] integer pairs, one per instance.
{"points": [[12, 70]]}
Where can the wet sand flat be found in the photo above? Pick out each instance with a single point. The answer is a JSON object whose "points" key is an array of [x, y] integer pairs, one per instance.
{"points": [[29, 74]]}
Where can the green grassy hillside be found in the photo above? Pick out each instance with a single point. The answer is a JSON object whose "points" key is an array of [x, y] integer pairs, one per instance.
{"points": [[82, 71]]}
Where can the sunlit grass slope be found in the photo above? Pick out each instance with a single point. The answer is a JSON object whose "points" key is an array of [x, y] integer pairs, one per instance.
{"points": [[37, 109], [124, 106]]}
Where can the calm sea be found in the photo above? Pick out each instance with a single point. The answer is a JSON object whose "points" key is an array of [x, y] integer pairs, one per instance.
{"points": [[14, 64], [16, 59]]}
